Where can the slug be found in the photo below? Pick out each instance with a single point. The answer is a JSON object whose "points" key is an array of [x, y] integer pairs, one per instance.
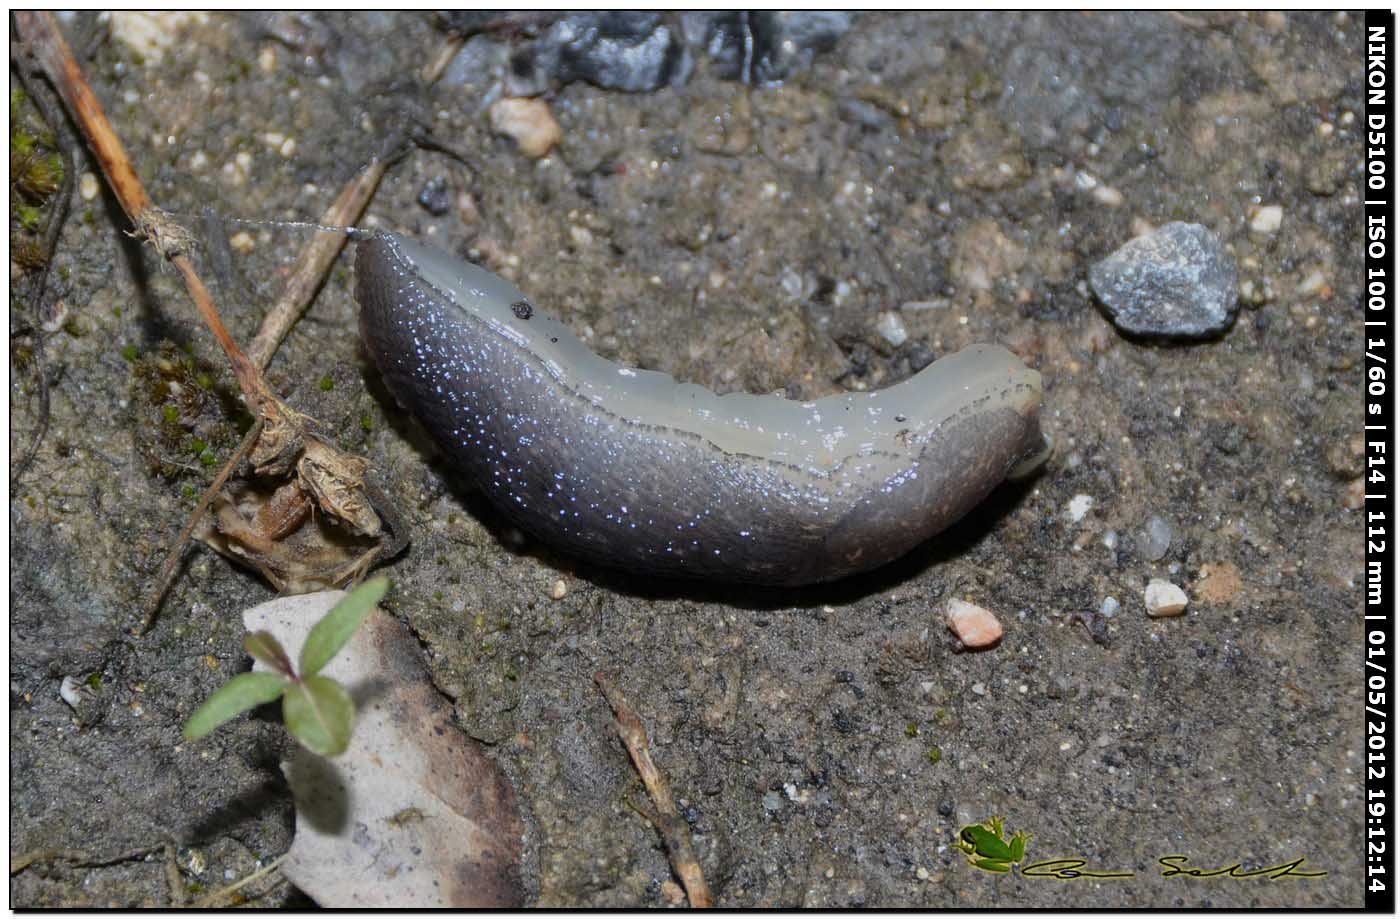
{"points": [[633, 470]]}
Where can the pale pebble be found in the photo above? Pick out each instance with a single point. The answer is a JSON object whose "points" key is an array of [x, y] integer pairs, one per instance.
{"points": [[974, 626], [1163, 598]]}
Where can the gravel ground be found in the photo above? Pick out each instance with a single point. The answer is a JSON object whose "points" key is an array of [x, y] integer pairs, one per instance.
{"points": [[951, 176]]}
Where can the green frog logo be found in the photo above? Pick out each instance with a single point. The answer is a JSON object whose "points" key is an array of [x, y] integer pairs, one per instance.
{"points": [[986, 846]]}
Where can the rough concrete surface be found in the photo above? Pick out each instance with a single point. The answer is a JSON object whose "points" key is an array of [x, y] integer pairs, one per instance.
{"points": [[959, 171]]}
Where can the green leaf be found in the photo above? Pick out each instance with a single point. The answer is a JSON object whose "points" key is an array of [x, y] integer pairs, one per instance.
{"points": [[245, 691], [335, 628], [263, 646], [319, 712]]}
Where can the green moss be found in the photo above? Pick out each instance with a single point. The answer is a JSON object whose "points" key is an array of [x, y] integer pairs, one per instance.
{"points": [[29, 216], [170, 413], [208, 458], [935, 756], [366, 422], [326, 384], [911, 729], [130, 353]]}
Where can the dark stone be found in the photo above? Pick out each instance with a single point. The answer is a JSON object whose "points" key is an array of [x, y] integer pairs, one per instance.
{"points": [[435, 198], [920, 356], [629, 51], [1178, 282], [764, 46]]}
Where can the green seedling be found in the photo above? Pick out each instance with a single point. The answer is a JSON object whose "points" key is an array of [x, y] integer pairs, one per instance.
{"points": [[316, 709], [986, 846]]}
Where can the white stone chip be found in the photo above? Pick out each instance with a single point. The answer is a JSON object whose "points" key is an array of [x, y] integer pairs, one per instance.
{"points": [[891, 329], [1266, 219], [1163, 598]]}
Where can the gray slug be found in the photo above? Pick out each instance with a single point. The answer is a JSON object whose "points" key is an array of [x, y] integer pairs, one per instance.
{"points": [[632, 470]]}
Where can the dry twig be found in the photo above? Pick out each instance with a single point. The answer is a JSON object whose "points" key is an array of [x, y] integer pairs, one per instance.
{"points": [[315, 261], [286, 443], [216, 896], [675, 832], [167, 571], [58, 216], [46, 45], [79, 858]]}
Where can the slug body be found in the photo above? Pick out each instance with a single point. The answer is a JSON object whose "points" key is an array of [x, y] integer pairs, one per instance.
{"points": [[633, 470]]}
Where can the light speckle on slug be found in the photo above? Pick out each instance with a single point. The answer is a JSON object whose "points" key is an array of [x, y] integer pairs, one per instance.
{"points": [[630, 469]]}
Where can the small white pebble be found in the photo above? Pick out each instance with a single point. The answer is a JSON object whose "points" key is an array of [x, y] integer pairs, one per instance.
{"points": [[199, 160], [1079, 506], [57, 318], [1266, 218], [1163, 598], [921, 873], [560, 590], [891, 329], [289, 146], [1109, 607], [1312, 284], [70, 691], [242, 242], [529, 123], [974, 626], [267, 59], [87, 186], [1108, 196], [979, 689]]}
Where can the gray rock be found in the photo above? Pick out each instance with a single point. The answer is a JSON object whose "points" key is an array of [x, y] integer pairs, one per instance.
{"points": [[628, 51], [767, 45], [1155, 539], [1178, 282]]}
